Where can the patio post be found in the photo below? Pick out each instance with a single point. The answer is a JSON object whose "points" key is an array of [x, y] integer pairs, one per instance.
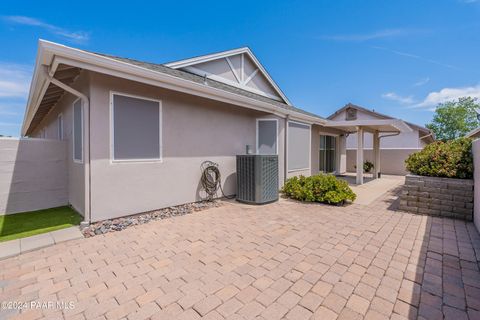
{"points": [[376, 154], [359, 179]]}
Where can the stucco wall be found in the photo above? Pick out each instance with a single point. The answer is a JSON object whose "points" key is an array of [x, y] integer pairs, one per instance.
{"points": [[392, 161], [76, 171], [194, 130], [476, 179], [33, 174]]}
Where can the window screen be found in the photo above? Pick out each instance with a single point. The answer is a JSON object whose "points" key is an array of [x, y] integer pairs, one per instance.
{"points": [[78, 131], [298, 146], [136, 127], [267, 137]]}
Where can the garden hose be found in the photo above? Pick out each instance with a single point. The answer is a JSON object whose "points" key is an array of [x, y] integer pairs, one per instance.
{"points": [[211, 180]]}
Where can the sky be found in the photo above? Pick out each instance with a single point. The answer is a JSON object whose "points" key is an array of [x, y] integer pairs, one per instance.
{"points": [[400, 58]]}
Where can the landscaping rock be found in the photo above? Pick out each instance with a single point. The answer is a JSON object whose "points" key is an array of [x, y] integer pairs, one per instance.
{"points": [[119, 224]]}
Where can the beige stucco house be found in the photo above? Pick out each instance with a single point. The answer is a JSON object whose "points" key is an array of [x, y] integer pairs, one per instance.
{"points": [[394, 147], [136, 133]]}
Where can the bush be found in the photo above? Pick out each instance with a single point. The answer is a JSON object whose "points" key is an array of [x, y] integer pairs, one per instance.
{"points": [[451, 159], [324, 188], [367, 166]]}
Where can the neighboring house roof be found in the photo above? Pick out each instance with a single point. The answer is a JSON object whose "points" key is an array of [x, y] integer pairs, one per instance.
{"points": [[54, 59], [475, 133], [425, 131], [240, 79], [384, 125]]}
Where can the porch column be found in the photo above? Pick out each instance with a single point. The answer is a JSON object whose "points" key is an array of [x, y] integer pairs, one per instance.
{"points": [[359, 179], [376, 154]]}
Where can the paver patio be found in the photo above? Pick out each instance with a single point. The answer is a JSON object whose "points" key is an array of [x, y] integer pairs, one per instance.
{"points": [[284, 260]]}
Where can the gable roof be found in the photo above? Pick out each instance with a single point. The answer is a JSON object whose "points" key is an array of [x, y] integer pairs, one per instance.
{"points": [[52, 56], [190, 63], [375, 114], [210, 82]]}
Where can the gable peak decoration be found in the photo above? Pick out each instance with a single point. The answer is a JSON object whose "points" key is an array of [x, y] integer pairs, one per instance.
{"points": [[238, 67]]}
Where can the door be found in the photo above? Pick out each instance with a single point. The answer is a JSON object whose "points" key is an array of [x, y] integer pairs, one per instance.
{"points": [[328, 153]]}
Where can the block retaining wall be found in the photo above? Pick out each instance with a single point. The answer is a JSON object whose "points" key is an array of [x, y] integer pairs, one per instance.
{"points": [[445, 197]]}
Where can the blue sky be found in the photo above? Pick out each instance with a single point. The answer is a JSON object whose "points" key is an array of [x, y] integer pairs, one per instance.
{"points": [[400, 58]]}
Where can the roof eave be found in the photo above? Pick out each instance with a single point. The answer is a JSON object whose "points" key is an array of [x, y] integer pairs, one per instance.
{"points": [[49, 52]]}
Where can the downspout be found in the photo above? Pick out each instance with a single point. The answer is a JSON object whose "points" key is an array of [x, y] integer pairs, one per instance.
{"points": [[285, 153], [86, 162], [389, 135]]}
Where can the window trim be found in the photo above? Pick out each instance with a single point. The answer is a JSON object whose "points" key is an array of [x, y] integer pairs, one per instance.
{"points": [[257, 131], [112, 129], [60, 135], [81, 130], [309, 146]]}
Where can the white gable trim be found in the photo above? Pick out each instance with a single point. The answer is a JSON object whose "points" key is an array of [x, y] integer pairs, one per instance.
{"points": [[215, 77], [225, 54], [230, 64]]}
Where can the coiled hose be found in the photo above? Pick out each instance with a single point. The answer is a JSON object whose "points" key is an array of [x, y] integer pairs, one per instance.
{"points": [[211, 180]]}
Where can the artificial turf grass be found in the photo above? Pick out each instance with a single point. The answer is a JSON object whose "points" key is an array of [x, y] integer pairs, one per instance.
{"points": [[25, 224]]}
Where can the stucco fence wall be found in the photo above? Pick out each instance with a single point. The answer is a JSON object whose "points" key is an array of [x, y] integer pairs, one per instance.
{"points": [[392, 161], [33, 174]]}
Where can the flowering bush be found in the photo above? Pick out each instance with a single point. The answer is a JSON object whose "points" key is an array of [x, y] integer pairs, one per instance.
{"points": [[451, 159], [324, 188]]}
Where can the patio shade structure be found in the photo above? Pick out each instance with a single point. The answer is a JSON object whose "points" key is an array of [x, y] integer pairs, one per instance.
{"points": [[379, 129]]}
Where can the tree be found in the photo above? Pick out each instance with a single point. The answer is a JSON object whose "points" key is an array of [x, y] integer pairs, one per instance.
{"points": [[454, 119]]}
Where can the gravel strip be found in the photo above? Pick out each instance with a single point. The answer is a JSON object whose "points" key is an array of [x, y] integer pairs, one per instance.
{"points": [[119, 224]]}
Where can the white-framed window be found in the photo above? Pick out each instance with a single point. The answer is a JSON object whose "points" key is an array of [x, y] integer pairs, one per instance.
{"points": [[60, 127], [299, 146], [267, 136], [78, 131], [135, 128]]}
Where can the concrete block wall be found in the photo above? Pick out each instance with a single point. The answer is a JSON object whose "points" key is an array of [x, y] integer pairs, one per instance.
{"points": [[445, 197]]}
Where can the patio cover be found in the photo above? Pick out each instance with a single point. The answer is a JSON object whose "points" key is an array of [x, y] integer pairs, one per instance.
{"points": [[387, 126]]}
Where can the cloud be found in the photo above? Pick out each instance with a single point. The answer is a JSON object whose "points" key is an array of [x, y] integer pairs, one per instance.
{"points": [[14, 80], [74, 36], [386, 33], [9, 108], [395, 97], [421, 82], [447, 94], [416, 57]]}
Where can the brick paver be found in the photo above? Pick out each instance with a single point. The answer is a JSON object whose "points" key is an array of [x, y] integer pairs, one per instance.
{"points": [[283, 260]]}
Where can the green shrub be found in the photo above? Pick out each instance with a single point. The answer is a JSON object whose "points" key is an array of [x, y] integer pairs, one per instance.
{"points": [[451, 159], [367, 166], [324, 188]]}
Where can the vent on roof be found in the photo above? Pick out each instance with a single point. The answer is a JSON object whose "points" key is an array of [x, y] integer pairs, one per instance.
{"points": [[351, 114]]}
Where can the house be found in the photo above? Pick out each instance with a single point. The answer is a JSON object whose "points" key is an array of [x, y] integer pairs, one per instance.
{"points": [[474, 134], [136, 132], [395, 148]]}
